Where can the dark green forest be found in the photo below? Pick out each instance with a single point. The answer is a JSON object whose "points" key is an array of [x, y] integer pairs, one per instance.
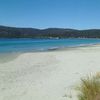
{"points": [[13, 32]]}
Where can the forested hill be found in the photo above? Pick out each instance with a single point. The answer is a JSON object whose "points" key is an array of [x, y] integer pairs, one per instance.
{"points": [[13, 32]]}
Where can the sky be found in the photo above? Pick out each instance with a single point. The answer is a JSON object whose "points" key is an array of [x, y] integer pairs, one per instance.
{"points": [[77, 14]]}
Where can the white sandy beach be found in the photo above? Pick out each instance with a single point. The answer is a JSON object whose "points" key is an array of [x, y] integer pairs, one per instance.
{"points": [[47, 75]]}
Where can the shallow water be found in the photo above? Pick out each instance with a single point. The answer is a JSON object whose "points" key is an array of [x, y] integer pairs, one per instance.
{"points": [[28, 45]]}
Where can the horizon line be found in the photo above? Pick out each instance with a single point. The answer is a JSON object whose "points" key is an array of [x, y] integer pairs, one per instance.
{"points": [[48, 27]]}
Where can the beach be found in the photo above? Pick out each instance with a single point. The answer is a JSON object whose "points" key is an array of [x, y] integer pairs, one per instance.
{"points": [[49, 75]]}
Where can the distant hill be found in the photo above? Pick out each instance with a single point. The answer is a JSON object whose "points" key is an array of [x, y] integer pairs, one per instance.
{"points": [[13, 32]]}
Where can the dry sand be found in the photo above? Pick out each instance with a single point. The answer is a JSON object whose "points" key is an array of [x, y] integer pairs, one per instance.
{"points": [[47, 75]]}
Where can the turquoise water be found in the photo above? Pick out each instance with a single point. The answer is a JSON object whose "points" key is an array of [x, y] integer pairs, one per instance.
{"points": [[28, 45]]}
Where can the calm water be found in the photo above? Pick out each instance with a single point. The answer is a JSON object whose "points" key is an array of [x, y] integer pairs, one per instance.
{"points": [[27, 45]]}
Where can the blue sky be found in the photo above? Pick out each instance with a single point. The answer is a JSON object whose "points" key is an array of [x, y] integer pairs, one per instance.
{"points": [[77, 14]]}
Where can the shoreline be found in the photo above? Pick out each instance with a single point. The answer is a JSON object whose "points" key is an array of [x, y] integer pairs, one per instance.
{"points": [[53, 49], [29, 45], [65, 48], [9, 56]]}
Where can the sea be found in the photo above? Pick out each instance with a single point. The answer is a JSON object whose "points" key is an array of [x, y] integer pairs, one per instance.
{"points": [[35, 45]]}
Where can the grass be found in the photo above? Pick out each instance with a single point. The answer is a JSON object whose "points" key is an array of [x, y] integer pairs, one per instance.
{"points": [[89, 88]]}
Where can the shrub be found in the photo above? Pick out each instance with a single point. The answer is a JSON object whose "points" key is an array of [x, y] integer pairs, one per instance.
{"points": [[89, 88]]}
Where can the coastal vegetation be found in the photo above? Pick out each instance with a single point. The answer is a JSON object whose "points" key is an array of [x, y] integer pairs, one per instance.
{"points": [[89, 89], [13, 32]]}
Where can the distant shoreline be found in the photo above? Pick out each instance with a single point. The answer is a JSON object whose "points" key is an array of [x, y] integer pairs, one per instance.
{"points": [[15, 32], [56, 38]]}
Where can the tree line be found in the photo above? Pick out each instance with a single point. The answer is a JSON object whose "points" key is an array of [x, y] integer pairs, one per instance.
{"points": [[13, 32]]}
